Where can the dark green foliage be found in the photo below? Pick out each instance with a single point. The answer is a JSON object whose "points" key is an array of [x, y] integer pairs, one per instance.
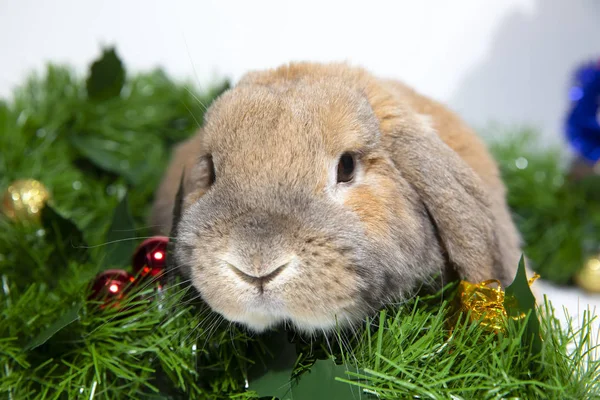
{"points": [[120, 238], [66, 237], [520, 301], [322, 382], [69, 317], [107, 76], [558, 218], [412, 353]]}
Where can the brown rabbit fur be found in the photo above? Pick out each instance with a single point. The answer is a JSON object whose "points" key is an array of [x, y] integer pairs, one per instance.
{"points": [[268, 233]]}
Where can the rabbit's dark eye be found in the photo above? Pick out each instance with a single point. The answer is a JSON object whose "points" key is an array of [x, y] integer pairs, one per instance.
{"points": [[346, 167]]}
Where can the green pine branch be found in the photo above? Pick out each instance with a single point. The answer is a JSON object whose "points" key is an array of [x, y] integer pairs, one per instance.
{"points": [[559, 218]]}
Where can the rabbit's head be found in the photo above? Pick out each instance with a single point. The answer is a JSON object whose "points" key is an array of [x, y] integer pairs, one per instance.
{"points": [[315, 196]]}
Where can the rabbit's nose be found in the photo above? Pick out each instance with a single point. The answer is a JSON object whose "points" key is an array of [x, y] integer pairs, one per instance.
{"points": [[259, 275]]}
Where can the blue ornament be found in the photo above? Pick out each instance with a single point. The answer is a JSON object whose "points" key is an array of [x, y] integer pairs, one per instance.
{"points": [[583, 124]]}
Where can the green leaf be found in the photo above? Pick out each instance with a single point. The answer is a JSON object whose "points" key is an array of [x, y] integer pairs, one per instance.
{"points": [[107, 76], [320, 383], [120, 238], [590, 186], [65, 236], [274, 373], [274, 384], [518, 301], [104, 154], [139, 158], [69, 317]]}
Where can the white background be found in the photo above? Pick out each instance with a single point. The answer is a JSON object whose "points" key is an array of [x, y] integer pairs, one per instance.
{"points": [[507, 61]]}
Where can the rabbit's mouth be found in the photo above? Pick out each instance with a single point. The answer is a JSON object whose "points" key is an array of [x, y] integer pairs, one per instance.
{"points": [[259, 281], [266, 302]]}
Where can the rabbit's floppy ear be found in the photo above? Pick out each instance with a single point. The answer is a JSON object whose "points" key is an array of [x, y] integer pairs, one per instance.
{"points": [[454, 197]]}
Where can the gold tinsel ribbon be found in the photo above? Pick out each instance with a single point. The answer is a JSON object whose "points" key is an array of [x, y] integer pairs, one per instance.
{"points": [[484, 302]]}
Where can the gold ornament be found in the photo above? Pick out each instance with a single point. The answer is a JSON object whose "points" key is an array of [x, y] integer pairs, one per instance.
{"points": [[24, 200], [588, 278], [485, 303]]}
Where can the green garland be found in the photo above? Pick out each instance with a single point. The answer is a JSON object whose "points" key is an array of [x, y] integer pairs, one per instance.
{"points": [[91, 142], [558, 217]]}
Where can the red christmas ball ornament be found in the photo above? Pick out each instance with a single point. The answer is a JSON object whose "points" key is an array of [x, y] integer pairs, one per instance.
{"points": [[111, 286], [150, 258]]}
